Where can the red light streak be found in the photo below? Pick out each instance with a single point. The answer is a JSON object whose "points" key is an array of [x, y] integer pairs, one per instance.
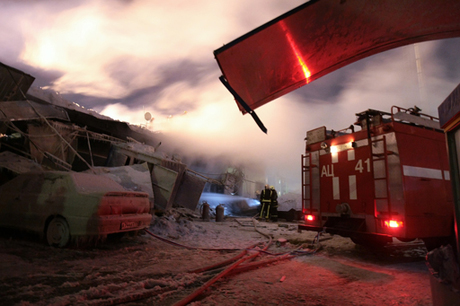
{"points": [[306, 72]]}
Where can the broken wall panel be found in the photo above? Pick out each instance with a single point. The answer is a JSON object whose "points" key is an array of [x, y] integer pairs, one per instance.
{"points": [[133, 150], [189, 191], [92, 120], [43, 139], [95, 151], [179, 168], [167, 175], [13, 83], [29, 110], [18, 164], [116, 158], [164, 183]]}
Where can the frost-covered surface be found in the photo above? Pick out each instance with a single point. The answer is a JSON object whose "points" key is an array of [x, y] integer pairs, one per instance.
{"points": [[142, 270], [290, 201]]}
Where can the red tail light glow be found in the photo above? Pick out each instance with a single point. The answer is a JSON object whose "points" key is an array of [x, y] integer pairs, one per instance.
{"points": [[309, 217], [119, 203], [393, 223]]}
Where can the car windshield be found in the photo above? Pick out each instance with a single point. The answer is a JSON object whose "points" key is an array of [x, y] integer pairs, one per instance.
{"points": [[88, 183]]}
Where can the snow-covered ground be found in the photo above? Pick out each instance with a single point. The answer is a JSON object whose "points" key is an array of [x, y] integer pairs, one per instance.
{"points": [[144, 270]]}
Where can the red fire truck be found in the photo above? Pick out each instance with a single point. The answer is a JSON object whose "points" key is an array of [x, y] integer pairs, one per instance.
{"points": [[390, 178]]}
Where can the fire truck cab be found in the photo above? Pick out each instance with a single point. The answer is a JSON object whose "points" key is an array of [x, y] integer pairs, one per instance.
{"points": [[390, 178]]}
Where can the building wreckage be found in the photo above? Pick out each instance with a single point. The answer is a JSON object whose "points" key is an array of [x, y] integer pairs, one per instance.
{"points": [[42, 130]]}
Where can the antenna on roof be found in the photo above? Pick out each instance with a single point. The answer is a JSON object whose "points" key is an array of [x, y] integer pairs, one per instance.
{"points": [[421, 85]]}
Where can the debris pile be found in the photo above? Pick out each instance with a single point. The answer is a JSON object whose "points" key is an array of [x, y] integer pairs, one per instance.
{"points": [[176, 223], [444, 263]]}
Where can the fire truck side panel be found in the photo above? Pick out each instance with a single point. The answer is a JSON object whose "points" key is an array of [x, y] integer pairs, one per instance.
{"points": [[426, 182]]}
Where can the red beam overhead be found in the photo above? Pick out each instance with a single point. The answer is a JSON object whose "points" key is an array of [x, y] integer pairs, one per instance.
{"points": [[322, 36]]}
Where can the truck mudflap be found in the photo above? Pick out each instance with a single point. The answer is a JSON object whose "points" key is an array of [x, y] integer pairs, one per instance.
{"points": [[347, 227], [358, 237], [312, 228]]}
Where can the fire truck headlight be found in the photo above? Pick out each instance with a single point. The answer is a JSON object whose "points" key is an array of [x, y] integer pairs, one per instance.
{"points": [[324, 146]]}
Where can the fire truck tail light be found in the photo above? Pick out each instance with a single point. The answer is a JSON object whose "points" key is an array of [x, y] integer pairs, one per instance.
{"points": [[309, 217], [393, 223]]}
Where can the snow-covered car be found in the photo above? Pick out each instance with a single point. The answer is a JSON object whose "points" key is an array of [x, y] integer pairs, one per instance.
{"points": [[65, 206]]}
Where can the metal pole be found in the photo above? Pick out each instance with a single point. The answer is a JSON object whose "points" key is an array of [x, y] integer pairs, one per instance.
{"points": [[455, 181]]}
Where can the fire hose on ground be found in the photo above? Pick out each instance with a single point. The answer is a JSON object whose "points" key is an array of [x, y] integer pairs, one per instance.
{"points": [[237, 266], [240, 265], [200, 290]]}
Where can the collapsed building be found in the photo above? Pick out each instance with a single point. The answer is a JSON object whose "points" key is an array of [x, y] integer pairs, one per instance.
{"points": [[42, 130]]}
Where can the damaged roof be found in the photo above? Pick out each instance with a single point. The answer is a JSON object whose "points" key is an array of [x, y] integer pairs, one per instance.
{"points": [[18, 164], [13, 83], [20, 101]]}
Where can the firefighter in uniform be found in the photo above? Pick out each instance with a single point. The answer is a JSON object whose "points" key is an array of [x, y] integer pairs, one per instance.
{"points": [[265, 201], [274, 205]]}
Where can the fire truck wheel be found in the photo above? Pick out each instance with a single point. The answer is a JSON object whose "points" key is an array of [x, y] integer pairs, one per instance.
{"points": [[405, 239], [436, 242], [115, 237], [58, 232], [369, 242]]}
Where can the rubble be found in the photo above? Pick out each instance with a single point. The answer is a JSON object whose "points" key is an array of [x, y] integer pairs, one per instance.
{"points": [[58, 134], [444, 263]]}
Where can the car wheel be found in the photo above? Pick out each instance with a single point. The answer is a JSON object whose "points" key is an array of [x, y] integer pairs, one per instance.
{"points": [[58, 232]]}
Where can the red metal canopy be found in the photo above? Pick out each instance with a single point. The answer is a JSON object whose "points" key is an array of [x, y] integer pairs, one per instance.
{"points": [[321, 36]]}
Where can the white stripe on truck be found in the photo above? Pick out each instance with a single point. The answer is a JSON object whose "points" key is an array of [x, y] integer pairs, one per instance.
{"points": [[423, 172]]}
